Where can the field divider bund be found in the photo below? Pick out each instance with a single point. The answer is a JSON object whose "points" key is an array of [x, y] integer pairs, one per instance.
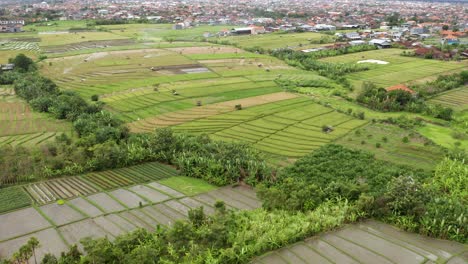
{"points": [[347, 254], [117, 200], [366, 248], [94, 204], [44, 215], [139, 195], [401, 243], [77, 209], [161, 191]]}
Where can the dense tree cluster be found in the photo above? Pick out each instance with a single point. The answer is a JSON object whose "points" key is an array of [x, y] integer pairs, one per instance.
{"points": [[399, 100], [417, 201], [442, 83]]}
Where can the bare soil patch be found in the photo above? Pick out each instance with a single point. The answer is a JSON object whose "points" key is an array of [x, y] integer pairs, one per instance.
{"points": [[149, 193], [21, 222], [130, 199], [106, 202], [85, 207], [61, 214], [49, 240]]}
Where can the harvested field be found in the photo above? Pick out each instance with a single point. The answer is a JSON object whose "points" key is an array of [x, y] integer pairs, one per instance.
{"points": [[106, 224], [21, 222], [150, 193], [85, 207], [50, 242], [369, 242], [73, 233], [165, 189], [130, 199], [105, 202], [61, 214], [179, 117]]}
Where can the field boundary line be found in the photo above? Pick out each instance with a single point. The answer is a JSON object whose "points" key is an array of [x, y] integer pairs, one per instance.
{"points": [[44, 215], [94, 204], [72, 206], [117, 200], [137, 194], [368, 249]]}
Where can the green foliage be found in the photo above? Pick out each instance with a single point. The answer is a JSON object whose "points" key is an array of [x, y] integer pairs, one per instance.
{"points": [[331, 171], [442, 83], [13, 198], [399, 100], [23, 63], [225, 237]]}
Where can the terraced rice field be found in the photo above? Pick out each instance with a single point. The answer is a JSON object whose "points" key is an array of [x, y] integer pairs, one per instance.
{"points": [[183, 116], [274, 41], [456, 99], [18, 45], [289, 128], [110, 214], [400, 69], [369, 242], [20, 126]]}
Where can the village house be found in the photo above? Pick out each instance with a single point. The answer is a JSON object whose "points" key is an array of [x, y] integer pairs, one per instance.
{"points": [[11, 26], [400, 87]]}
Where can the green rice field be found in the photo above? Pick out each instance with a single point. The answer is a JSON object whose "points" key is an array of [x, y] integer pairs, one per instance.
{"points": [[400, 69], [290, 128]]}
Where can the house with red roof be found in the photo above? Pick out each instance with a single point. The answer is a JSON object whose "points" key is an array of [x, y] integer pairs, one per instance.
{"points": [[401, 87]]}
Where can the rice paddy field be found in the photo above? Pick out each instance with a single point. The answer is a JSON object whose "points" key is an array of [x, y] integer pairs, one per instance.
{"points": [[19, 125], [400, 69], [456, 99], [280, 40], [290, 128], [368, 242], [83, 212]]}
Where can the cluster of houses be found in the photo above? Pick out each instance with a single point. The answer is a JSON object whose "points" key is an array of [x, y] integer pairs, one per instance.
{"points": [[11, 26]]}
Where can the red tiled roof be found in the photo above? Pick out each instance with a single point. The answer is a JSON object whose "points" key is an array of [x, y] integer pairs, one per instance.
{"points": [[400, 87]]}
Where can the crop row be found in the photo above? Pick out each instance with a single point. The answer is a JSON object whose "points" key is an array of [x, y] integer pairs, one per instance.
{"points": [[12, 198], [18, 45], [49, 191], [111, 179], [278, 129]]}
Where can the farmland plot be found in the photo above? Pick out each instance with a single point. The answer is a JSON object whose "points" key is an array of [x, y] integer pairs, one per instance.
{"points": [[400, 69], [66, 188], [20, 126], [13, 198], [456, 99], [183, 116], [127, 176], [369, 242], [289, 128]]}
